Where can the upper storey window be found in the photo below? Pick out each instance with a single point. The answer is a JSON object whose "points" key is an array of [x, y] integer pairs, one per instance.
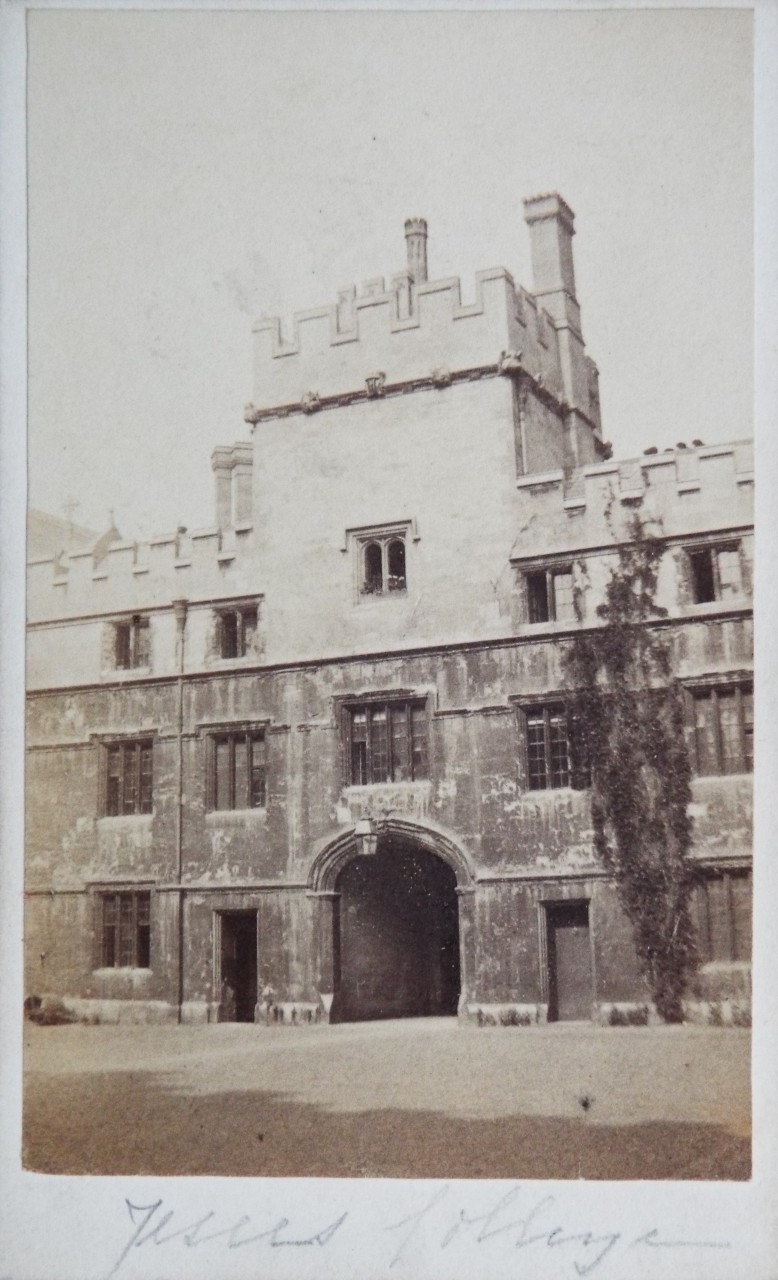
{"points": [[548, 748], [386, 742], [381, 558], [550, 594], [237, 775], [131, 643], [236, 631], [383, 565], [715, 573], [724, 729], [127, 778]]}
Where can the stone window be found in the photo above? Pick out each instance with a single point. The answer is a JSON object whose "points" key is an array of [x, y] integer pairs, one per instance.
{"points": [[549, 594], [723, 722], [124, 930], [548, 748], [553, 756], [237, 770], [722, 910], [382, 567], [386, 742], [236, 630], [714, 573], [131, 642], [127, 778]]}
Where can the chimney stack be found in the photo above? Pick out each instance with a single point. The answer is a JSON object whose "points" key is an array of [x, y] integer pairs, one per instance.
{"points": [[551, 224], [416, 241], [233, 471]]}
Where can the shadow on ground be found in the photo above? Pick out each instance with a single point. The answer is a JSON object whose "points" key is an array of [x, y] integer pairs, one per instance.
{"points": [[130, 1123]]}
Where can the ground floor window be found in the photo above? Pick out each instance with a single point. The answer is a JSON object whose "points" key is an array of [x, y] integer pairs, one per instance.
{"points": [[722, 905], [125, 930]]}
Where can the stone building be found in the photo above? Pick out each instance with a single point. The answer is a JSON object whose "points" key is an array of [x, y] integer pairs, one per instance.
{"points": [[312, 761]]}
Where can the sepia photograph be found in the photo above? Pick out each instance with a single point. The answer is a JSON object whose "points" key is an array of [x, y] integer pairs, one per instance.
{"points": [[389, 733]]}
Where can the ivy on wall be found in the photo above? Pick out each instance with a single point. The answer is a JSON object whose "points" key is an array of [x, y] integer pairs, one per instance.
{"points": [[627, 713]]}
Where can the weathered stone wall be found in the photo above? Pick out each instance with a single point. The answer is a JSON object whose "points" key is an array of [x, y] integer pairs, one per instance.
{"points": [[262, 859]]}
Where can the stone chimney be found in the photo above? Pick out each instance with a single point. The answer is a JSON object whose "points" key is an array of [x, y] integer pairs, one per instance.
{"points": [[416, 242], [552, 226], [233, 468]]}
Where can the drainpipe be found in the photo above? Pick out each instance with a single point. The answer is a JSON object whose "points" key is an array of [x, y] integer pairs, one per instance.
{"points": [[179, 612]]}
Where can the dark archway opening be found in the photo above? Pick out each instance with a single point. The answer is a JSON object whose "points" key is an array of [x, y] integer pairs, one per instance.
{"points": [[398, 936]]}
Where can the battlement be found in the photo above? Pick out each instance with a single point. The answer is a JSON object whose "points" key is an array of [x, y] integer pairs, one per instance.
{"points": [[683, 491], [412, 327], [130, 576]]}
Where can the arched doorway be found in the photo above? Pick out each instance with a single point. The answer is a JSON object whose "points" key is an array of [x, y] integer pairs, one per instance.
{"points": [[398, 934]]}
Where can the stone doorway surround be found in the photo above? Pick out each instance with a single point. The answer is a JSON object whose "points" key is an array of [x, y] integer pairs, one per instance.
{"points": [[324, 888]]}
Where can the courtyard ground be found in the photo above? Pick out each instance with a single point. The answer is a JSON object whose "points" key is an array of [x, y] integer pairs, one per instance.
{"points": [[408, 1098]]}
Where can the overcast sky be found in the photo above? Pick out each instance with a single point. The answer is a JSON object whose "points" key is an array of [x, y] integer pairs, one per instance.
{"points": [[190, 171]]}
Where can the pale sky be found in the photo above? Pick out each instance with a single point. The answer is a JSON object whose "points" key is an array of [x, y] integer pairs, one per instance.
{"points": [[191, 171]]}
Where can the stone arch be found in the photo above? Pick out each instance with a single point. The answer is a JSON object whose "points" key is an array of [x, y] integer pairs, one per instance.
{"points": [[337, 852]]}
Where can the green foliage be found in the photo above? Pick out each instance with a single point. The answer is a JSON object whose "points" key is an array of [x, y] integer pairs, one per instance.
{"points": [[627, 718]]}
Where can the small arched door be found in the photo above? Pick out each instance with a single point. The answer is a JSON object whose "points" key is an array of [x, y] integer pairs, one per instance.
{"points": [[398, 935]]}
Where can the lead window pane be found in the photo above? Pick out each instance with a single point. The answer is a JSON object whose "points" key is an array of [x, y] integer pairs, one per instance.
{"points": [[241, 778], [222, 789], [747, 711], [564, 609], [401, 762], [396, 565], [729, 572], [146, 778], [379, 746], [126, 956], [719, 919], [130, 766], [559, 758], [729, 731], [419, 741], [740, 888], [258, 772], [705, 734], [536, 751], [537, 597]]}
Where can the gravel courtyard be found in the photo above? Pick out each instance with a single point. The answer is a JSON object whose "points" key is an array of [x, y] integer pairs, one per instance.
{"points": [[412, 1098]]}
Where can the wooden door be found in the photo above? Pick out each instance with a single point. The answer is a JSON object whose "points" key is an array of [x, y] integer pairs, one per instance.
{"points": [[569, 962]]}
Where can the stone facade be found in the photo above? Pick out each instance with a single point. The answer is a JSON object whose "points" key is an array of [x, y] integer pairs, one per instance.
{"points": [[309, 763]]}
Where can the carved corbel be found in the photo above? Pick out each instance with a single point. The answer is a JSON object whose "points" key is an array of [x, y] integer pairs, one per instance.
{"points": [[509, 362], [375, 385], [441, 377], [310, 402]]}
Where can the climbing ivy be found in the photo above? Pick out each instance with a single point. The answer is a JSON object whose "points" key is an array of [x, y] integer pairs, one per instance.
{"points": [[627, 714]]}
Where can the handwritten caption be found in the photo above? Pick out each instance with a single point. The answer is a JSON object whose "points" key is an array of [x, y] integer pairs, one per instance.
{"points": [[514, 1219]]}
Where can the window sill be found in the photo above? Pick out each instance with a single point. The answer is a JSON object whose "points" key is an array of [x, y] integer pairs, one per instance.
{"points": [[550, 624], [125, 673], [556, 791], [215, 816], [126, 819], [376, 788], [717, 777], [124, 969], [381, 597], [697, 608], [227, 664]]}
